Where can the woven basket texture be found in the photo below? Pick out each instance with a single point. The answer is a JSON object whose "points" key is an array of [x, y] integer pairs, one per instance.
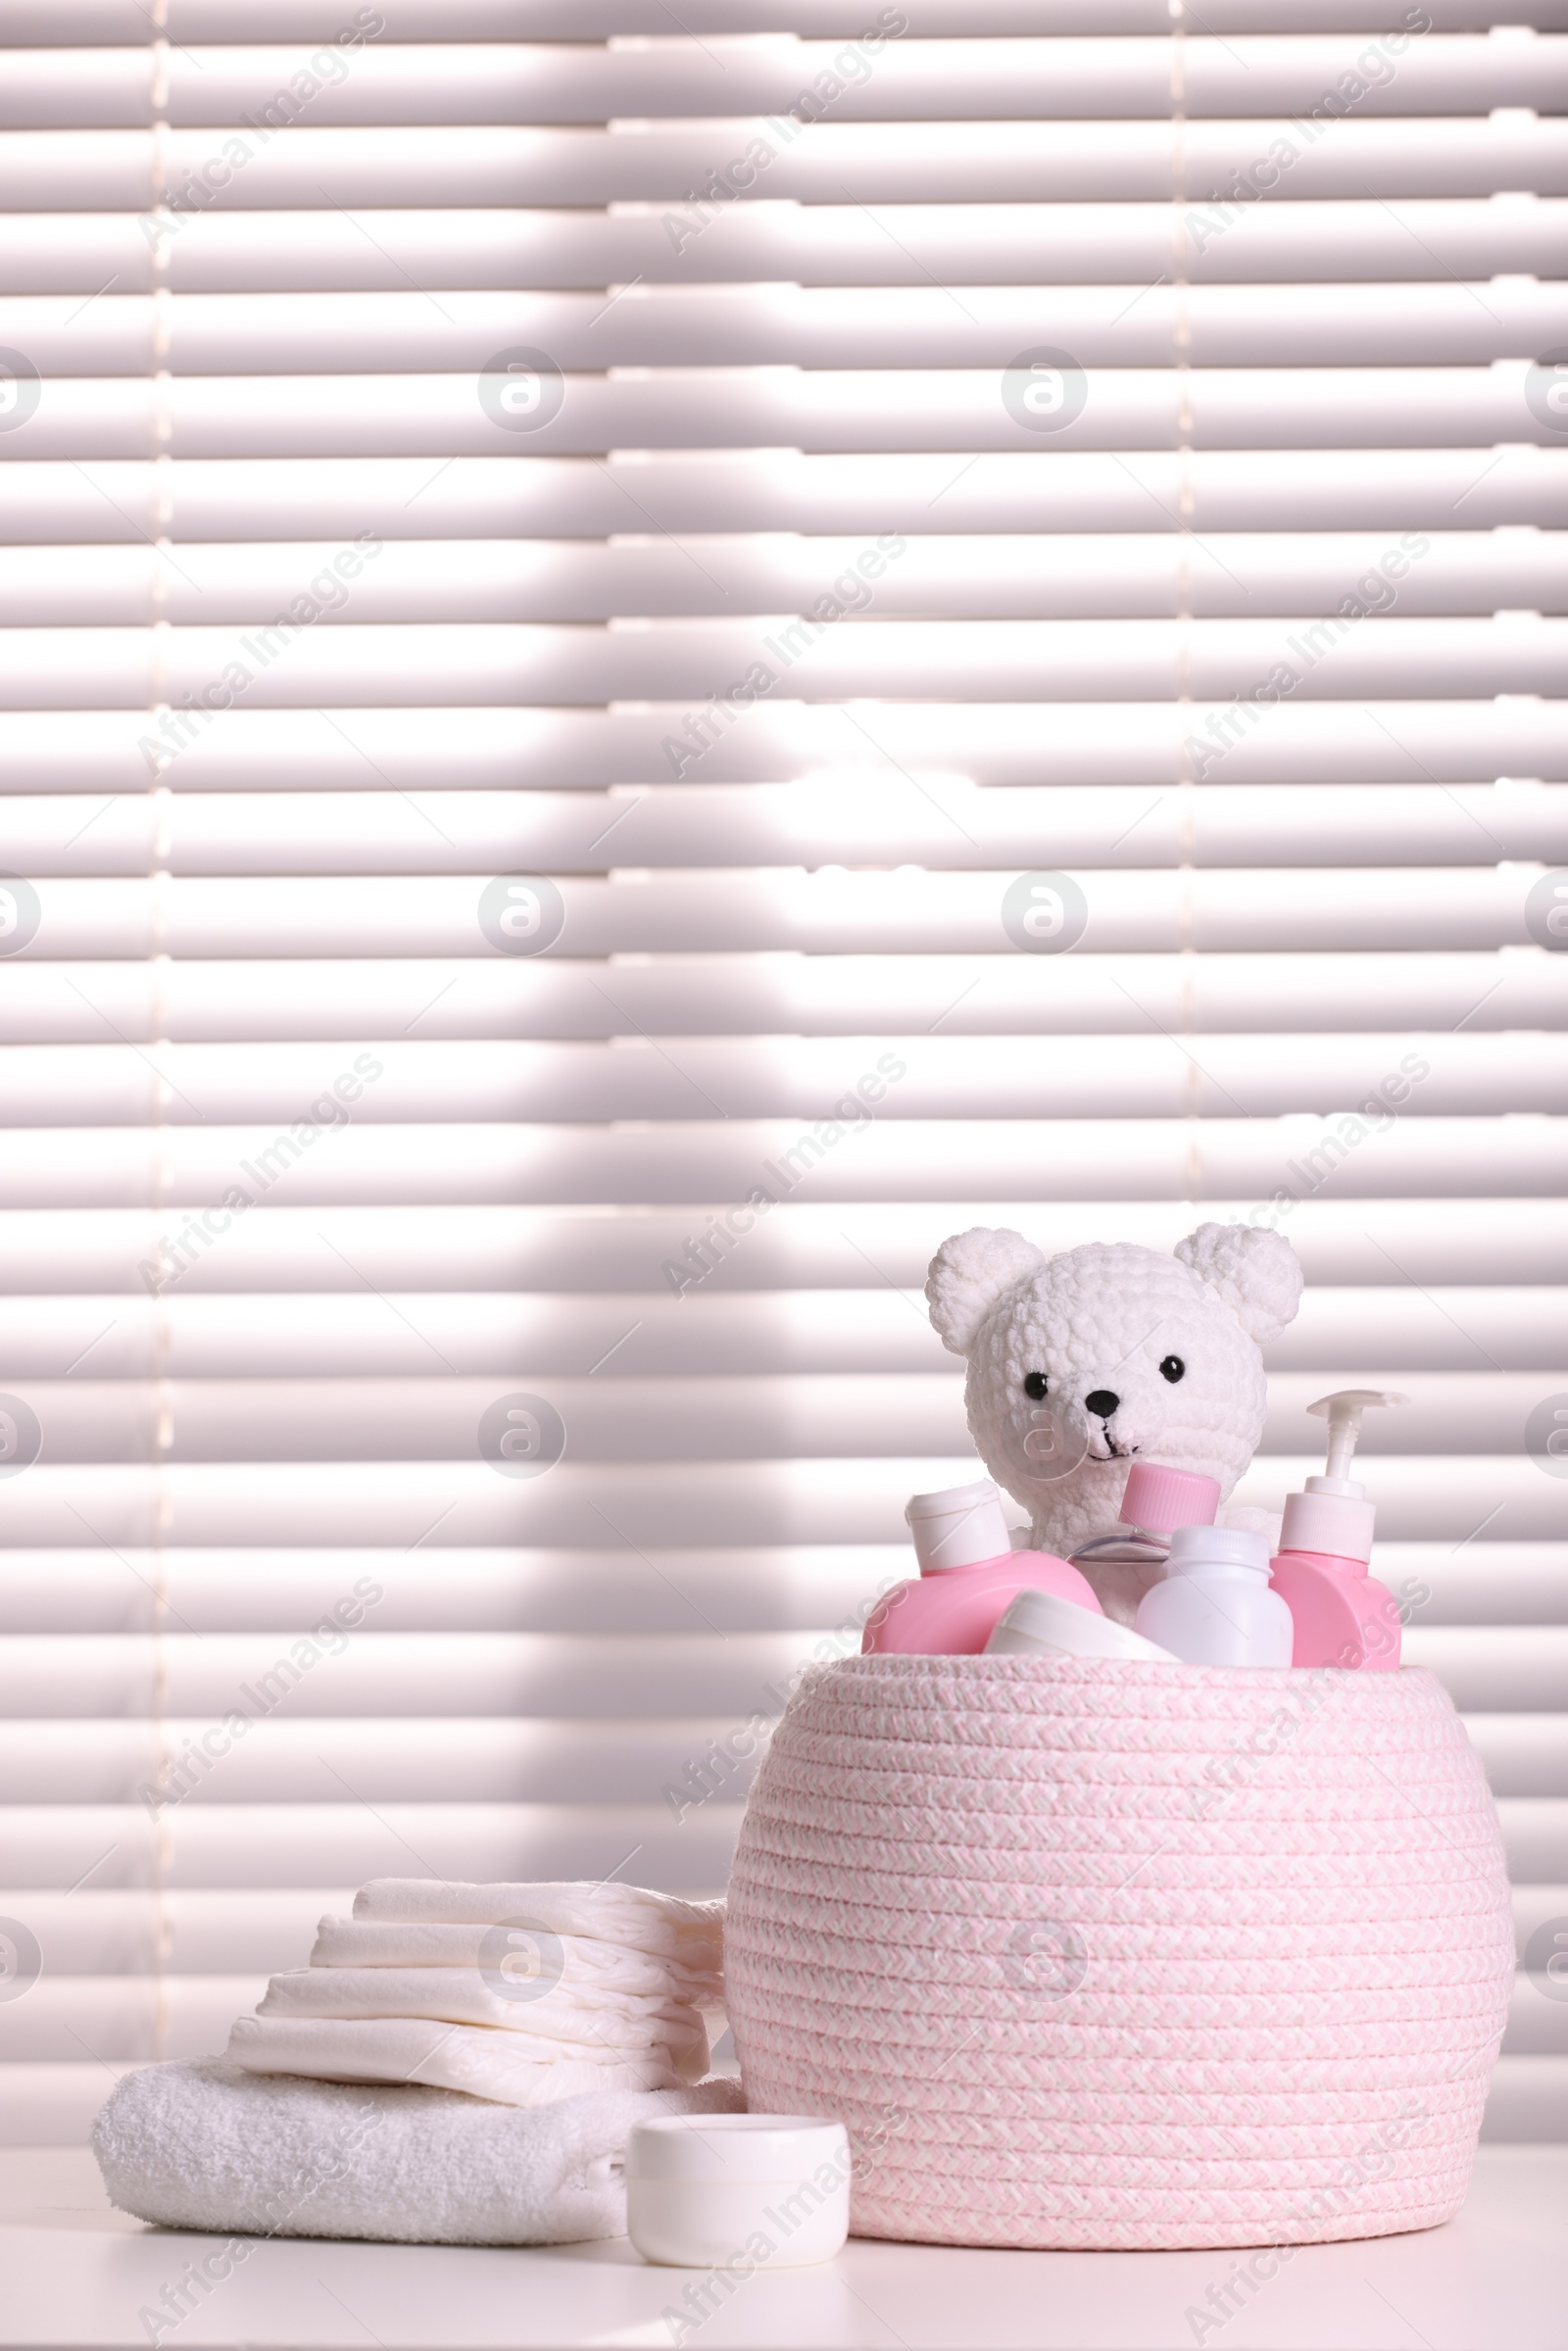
{"points": [[1099, 1954]]}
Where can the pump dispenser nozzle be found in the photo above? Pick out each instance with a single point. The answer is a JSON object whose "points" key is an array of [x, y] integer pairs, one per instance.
{"points": [[1342, 1412], [1341, 1521]]}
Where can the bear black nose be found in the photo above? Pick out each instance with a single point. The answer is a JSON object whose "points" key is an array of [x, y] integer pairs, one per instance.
{"points": [[1102, 1403]]}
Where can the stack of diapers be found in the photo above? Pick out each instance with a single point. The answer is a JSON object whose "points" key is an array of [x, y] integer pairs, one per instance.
{"points": [[201, 2143], [522, 1994], [376, 2093]]}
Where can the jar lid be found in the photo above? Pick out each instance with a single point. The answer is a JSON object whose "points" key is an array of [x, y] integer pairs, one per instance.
{"points": [[1040, 1624], [718, 2147]]}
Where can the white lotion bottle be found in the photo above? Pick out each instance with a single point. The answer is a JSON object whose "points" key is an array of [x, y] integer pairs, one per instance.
{"points": [[1213, 1605]]}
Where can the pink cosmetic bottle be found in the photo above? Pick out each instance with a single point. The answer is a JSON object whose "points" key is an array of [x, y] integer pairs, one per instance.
{"points": [[1154, 1502], [1342, 1616], [969, 1572]]}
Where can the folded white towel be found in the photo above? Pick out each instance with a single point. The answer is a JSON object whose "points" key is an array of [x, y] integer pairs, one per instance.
{"points": [[510, 2068], [642, 1921], [602, 2027], [584, 1964], [199, 2144]]}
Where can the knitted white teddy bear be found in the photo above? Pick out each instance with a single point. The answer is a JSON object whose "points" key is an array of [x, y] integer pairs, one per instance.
{"points": [[1080, 1362]]}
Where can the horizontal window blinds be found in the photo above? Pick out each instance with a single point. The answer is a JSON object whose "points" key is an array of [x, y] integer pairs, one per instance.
{"points": [[568, 583]]}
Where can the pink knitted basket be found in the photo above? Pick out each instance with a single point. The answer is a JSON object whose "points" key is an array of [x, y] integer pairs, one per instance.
{"points": [[1089, 1953]]}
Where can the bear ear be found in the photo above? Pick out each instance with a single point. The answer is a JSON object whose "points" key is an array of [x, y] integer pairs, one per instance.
{"points": [[1257, 1274], [967, 1276]]}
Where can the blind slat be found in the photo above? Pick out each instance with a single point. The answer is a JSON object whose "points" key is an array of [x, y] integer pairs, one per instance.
{"points": [[1231, 574], [812, 822], [1019, 1161], [886, 162], [332, 1846], [1317, 326], [822, 244], [1203, 492], [347, 1331], [286, 664], [796, 408], [589, 1253], [427, 751], [1280, 994], [834, 1088], [902, 80], [833, 910], [105, 22], [451, 1761]]}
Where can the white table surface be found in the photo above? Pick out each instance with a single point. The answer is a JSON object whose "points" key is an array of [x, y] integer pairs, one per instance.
{"points": [[74, 2271]]}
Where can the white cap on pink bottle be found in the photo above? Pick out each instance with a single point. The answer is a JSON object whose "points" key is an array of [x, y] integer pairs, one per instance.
{"points": [[959, 1528]]}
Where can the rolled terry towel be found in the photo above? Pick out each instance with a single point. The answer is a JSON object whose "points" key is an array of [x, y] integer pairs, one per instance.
{"points": [[510, 2068], [661, 1925], [199, 2144], [606, 2028]]}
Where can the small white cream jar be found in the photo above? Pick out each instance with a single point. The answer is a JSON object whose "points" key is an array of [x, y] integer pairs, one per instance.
{"points": [[738, 2192], [1042, 1624]]}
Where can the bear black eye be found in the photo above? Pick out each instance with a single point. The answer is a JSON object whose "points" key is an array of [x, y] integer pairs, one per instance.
{"points": [[1173, 1369], [1035, 1384]]}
